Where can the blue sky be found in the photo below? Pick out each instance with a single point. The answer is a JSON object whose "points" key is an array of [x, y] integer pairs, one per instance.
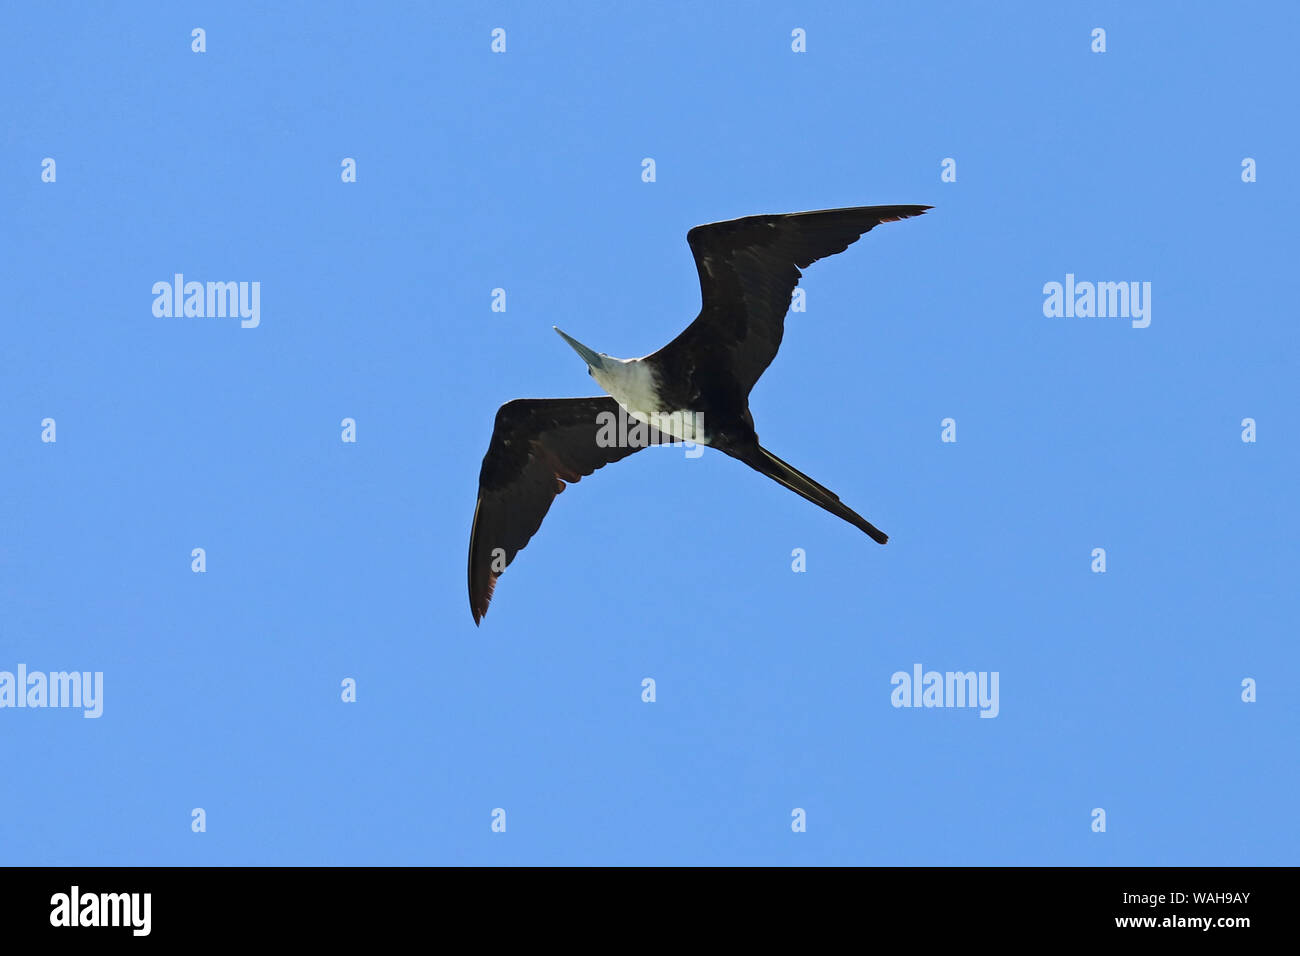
{"points": [[522, 170]]}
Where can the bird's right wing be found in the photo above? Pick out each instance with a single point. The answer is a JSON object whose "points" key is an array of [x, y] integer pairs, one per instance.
{"points": [[537, 445], [748, 272]]}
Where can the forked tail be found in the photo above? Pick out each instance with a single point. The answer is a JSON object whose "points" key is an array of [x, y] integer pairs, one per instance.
{"points": [[786, 474]]}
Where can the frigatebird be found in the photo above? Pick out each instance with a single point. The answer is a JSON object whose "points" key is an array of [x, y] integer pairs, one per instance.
{"points": [[696, 388]]}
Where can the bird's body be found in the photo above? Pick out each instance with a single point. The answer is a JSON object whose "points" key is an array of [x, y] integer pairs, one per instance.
{"points": [[636, 385], [696, 388]]}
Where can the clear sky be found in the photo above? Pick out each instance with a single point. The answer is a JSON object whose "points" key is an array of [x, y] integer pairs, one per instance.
{"points": [[328, 560]]}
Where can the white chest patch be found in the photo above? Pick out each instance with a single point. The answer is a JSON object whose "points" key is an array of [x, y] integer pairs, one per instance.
{"points": [[632, 384]]}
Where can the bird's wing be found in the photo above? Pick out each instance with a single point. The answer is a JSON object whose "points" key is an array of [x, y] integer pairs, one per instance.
{"points": [[537, 445], [748, 271]]}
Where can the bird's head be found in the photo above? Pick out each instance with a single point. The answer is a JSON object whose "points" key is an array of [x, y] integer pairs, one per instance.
{"points": [[597, 362]]}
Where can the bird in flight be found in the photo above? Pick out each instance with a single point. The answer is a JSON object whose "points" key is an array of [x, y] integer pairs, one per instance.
{"points": [[696, 388]]}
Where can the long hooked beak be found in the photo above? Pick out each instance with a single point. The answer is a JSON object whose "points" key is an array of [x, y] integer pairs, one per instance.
{"points": [[594, 360]]}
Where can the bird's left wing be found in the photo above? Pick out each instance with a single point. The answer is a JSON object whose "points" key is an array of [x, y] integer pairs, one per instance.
{"points": [[537, 445]]}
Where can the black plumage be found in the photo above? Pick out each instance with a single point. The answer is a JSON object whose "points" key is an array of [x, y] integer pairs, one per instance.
{"points": [[537, 445], [748, 271]]}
